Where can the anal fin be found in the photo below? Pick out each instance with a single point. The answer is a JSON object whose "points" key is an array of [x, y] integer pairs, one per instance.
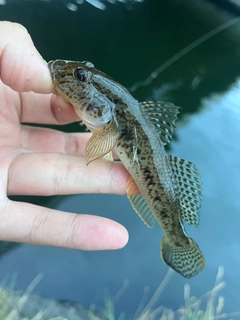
{"points": [[138, 202]]}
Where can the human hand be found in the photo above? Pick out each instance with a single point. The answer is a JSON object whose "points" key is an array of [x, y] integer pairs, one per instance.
{"points": [[39, 161]]}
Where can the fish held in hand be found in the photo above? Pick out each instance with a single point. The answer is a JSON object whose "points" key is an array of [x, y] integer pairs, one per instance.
{"points": [[161, 187]]}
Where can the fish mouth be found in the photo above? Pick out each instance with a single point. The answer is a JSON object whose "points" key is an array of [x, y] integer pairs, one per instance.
{"points": [[51, 69], [55, 67]]}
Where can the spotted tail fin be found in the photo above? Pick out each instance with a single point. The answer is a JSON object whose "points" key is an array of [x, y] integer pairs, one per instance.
{"points": [[188, 261]]}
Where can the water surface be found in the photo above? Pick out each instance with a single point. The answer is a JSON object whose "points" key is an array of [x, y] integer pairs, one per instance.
{"points": [[129, 45]]}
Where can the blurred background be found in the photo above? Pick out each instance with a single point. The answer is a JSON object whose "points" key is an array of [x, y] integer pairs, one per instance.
{"points": [[186, 52]]}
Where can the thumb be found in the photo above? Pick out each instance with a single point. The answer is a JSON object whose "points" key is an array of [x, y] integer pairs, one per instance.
{"points": [[21, 66]]}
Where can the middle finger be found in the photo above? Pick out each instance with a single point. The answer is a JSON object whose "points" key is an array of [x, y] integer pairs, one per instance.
{"points": [[46, 174], [45, 140]]}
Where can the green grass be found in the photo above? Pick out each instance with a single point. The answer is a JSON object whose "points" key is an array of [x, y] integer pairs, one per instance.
{"points": [[208, 307]]}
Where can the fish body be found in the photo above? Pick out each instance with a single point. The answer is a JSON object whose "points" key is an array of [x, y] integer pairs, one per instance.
{"points": [[161, 187]]}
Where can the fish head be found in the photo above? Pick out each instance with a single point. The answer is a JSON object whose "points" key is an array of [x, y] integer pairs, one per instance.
{"points": [[78, 83]]}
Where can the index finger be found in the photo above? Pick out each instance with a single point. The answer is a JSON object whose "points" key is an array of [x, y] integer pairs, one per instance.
{"points": [[24, 70]]}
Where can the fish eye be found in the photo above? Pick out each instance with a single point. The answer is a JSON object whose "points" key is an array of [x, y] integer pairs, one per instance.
{"points": [[80, 74]]}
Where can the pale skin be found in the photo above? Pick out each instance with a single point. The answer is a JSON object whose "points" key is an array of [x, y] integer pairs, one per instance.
{"points": [[37, 161]]}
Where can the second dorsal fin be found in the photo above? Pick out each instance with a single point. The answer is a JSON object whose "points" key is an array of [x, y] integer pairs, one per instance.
{"points": [[188, 180]]}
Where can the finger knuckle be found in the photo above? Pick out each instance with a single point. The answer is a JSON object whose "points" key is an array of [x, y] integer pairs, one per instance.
{"points": [[72, 235], [36, 232], [61, 171]]}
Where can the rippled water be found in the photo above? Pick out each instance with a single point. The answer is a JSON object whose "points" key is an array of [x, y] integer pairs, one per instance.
{"points": [[129, 45]]}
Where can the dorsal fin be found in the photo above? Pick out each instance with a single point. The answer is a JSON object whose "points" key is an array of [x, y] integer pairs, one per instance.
{"points": [[188, 179], [163, 116], [138, 202]]}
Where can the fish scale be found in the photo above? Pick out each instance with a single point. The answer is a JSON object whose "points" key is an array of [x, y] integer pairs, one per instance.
{"points": [[161, 187]]}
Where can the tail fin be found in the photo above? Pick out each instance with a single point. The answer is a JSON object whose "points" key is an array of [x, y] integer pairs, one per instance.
{"points": [[187, 261]]}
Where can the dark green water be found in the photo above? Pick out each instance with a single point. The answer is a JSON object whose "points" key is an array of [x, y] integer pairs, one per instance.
{"points": [[129, 45]]}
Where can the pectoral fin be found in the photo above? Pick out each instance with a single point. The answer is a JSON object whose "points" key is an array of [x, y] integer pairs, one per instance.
{"points": [[100, 145], [138, 202], [108, 156]]}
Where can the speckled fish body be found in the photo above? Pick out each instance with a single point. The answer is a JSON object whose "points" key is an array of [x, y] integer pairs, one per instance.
{"points": [[161, 187]]}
